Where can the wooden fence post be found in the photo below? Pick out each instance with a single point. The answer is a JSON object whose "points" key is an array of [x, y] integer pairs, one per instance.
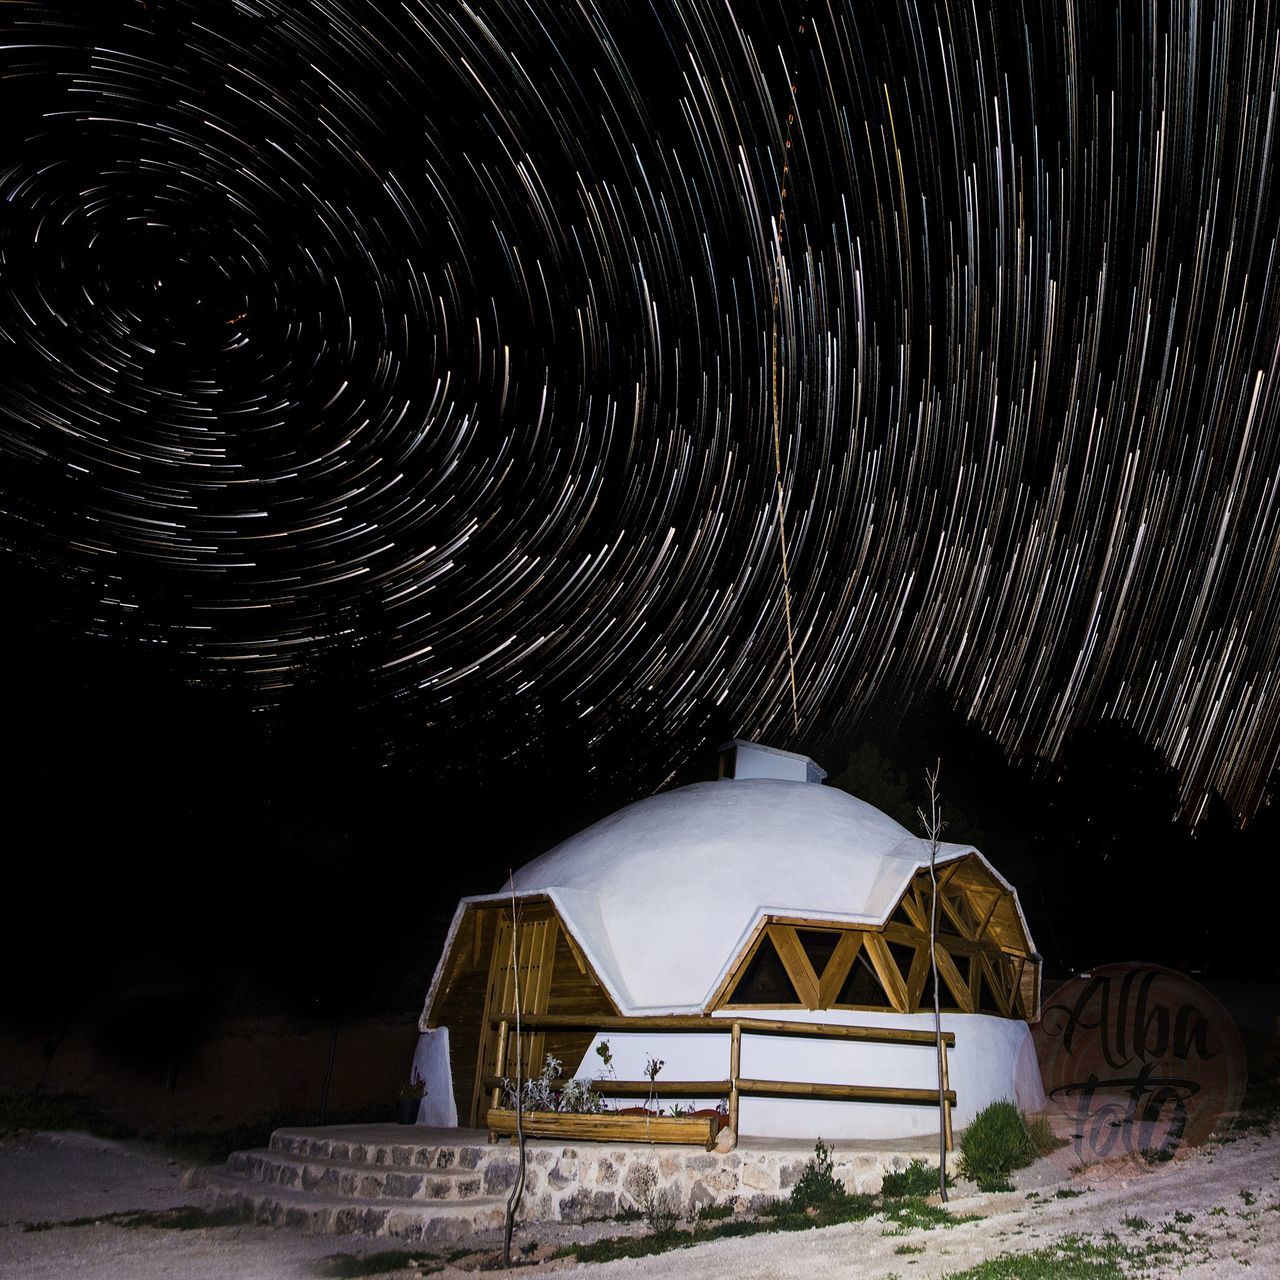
{"points": [[946, 1103], [500, 1069], [735, 1067]]}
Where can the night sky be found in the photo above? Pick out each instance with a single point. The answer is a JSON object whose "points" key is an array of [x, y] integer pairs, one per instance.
{"points": [[435, 385]]}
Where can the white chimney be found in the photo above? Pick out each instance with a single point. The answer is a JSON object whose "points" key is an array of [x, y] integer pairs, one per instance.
{"points": [[742, 759]]}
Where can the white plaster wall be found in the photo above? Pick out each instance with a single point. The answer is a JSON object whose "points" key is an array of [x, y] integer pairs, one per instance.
{"points": [[431, 1065], [993, 1058], [751, 763]]}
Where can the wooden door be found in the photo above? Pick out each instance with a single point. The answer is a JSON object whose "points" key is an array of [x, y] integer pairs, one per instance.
{"points": [[535, 930]]}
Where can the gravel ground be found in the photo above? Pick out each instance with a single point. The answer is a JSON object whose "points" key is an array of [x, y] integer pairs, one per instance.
{"points": [[1230, 1191], [59, 1176]]}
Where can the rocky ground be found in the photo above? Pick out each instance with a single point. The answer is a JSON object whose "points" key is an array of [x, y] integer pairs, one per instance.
{"points": [[1213, 1211]]}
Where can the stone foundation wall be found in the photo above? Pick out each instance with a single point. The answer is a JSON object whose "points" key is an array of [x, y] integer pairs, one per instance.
{"points": [[573, 1183]]}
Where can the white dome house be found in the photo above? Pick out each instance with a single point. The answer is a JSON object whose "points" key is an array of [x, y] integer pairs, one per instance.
{"points": [[760, 899]]}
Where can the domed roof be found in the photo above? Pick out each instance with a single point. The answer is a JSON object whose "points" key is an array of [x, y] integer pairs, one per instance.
{"points": [[662, 895]]}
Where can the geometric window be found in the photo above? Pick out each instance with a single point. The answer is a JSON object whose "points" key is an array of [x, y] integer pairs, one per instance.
{"points": [[987, 1002], [818, 946], [900, 917], [983, 954], [947, 997], [903, 956], [765, 981], [862, 987]]}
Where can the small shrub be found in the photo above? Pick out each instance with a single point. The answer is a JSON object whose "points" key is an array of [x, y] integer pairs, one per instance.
{"points": [[655, 1204], [994, 1145], [817, 1187], [917, 1179], [715, 1212]]}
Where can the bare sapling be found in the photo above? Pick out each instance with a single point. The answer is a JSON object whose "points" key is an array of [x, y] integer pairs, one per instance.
{"points": [[932, 825], [517, 1190]]}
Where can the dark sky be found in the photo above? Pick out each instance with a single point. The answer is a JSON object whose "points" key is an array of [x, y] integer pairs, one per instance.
{"points": [[444, 364]]}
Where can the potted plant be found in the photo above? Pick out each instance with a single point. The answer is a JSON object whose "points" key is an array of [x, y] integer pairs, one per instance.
{"points": [[410, 1100]]}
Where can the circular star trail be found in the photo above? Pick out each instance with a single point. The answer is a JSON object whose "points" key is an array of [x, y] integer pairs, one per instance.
{"points": [[463, 317]]}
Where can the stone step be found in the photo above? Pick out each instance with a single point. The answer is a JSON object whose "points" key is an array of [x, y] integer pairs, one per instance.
{"points": [[317, 1144], [372, 1181], [320, 1214]]}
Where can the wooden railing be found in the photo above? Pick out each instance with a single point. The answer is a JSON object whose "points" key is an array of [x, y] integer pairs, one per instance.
{"points": [[737, 1086]]}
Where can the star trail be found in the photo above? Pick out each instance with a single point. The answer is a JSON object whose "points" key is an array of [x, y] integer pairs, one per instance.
{"points": [[465, 314]]}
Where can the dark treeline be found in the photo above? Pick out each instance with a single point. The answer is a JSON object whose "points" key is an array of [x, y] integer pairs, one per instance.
{"points": [[169, 840]]}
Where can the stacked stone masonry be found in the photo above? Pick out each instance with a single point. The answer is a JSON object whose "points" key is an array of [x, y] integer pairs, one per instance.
{"points": [[443, 1186]]}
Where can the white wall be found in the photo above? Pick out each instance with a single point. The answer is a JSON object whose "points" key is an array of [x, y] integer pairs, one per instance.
{"points": [[431, 1065], [993, 1058]]}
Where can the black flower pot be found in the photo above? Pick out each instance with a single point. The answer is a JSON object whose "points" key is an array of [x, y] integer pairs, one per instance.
{"points": [[407, 1110]]}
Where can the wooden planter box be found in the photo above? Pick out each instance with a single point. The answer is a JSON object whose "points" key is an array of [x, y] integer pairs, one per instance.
{"points": [[608, 1126]]}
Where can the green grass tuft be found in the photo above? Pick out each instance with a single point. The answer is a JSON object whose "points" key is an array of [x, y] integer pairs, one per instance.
{"points": [[182, 1218], [1072, 1258], [347, 1266], [917, 1179]]}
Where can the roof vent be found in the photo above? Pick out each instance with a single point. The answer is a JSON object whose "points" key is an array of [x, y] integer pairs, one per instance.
{"points": [[743, 759]]}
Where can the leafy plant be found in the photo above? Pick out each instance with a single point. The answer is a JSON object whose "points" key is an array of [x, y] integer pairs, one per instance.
{"points": [[540, 1093], [416, 1088], [994, 1145], [605, 1054], [817, 1187], [917, 1179]]}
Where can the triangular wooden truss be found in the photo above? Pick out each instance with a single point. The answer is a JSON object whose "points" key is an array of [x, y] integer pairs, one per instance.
{"points": [[985, 962]]}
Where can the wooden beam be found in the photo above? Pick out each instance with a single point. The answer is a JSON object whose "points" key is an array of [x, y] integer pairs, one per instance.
{"points": [[795, 962], [608, 1127], [982, 963], [947, 969], [986, 919], [966, 929], [887, 971], [841, 1092], [915, 979], [731, 979], [914, 908], [750, 1026], [611, 1088], [838, 967]]}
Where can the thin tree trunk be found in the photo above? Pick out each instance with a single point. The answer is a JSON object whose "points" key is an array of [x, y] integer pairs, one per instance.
{"points": [[518, 1189], [933, 829]]}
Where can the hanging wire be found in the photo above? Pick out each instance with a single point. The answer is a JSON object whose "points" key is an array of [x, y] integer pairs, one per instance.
{"points": [[777, 426]]}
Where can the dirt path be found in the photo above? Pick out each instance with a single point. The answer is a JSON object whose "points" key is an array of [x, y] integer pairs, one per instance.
{"points": [[1227, 1199], [59, 1176]]}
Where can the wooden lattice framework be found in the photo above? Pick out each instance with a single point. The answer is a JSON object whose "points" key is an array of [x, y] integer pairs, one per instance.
{"points": [[985, 960], [479, 980]]}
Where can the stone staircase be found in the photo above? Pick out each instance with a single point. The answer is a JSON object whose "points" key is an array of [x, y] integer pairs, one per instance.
{"points": [[373, 1179], [420, 1184]]}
